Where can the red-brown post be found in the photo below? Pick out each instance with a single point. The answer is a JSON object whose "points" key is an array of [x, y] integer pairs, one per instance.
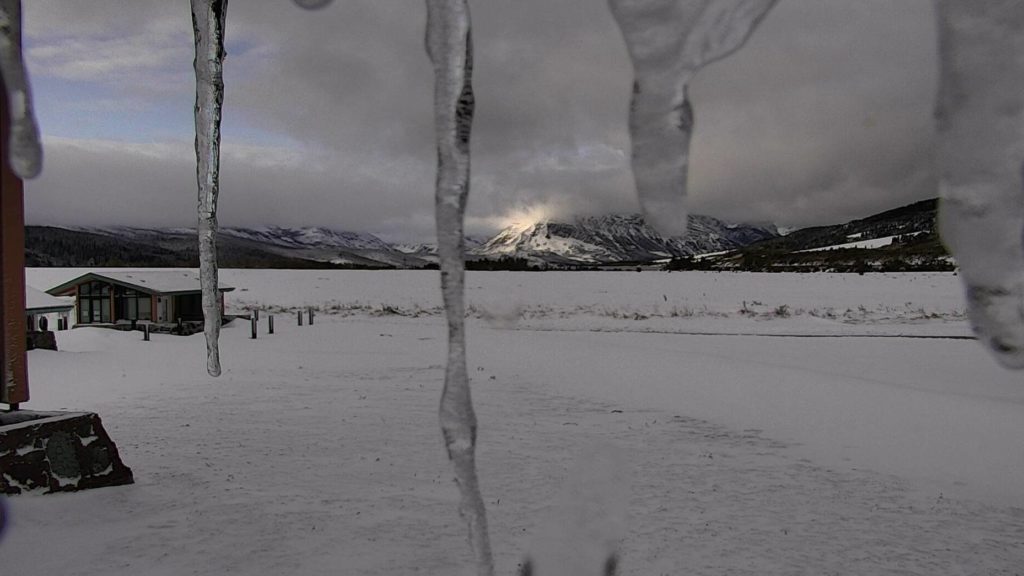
{"points": [[14, 382]]}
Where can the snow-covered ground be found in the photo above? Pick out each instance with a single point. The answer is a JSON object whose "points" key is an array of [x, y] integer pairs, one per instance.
{"points": [[770, 424]]}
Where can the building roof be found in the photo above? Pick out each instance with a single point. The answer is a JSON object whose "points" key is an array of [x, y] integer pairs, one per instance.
{"points": [[163, 282], [39, 302]]}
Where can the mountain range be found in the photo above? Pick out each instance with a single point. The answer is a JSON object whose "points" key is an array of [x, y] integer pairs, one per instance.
{"points": [[589, 241], [592, 241]]}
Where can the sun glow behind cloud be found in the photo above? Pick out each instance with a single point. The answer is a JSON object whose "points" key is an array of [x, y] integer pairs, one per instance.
{"points": [[524, 217]]}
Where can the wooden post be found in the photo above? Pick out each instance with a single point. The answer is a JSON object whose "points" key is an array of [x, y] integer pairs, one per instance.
{"points": [[311, 316], [145, 332], [253, 322], [256, 314], [270, 324], [300, 317], [13, 372]]}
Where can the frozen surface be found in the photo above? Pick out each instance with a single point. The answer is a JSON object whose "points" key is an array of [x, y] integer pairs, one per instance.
{"points": [[925, 304], [316, 452]]}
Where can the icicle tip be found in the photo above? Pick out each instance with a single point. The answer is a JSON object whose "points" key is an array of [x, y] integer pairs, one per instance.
{"points": [[312, 4]]}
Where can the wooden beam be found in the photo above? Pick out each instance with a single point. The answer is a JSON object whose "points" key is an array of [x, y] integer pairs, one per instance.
{"points": [[14, 376]]}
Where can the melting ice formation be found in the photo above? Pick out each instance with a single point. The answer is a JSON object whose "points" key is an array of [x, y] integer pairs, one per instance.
{"points": [[669, 41], [449, 45], [208, 18], [25, 150], [980, 158]]}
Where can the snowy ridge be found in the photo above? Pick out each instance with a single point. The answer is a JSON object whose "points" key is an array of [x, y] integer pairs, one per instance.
{"points": [[316, 244], [310, 237], [616, 239]]}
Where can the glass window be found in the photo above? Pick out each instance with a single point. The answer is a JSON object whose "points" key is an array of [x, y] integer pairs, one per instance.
{"points": [[83, 311], [145, 307]]}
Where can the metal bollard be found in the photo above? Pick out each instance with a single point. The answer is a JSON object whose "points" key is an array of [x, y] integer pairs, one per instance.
{"points": [[253, 323], [300, 317], [310, 316], [145, 332], [270, 324]]}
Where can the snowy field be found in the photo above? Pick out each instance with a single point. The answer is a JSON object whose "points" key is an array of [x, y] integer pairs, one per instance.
{"points": [[766, 424]]}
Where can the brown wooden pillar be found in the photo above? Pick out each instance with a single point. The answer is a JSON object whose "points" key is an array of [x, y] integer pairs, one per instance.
{"points": [[13, 372]]}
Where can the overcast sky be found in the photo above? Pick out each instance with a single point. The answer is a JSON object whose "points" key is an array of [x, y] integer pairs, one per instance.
{"points": [[824, 116]]}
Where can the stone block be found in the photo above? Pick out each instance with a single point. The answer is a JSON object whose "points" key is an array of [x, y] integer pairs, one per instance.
{"points": [[40, 340], [57, 452]]}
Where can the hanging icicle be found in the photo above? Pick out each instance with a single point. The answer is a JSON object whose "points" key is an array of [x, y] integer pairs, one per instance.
{"points": [[25, 152], [450, 47], [669, 41], [312, 4], [980, 159], [208, 26]]}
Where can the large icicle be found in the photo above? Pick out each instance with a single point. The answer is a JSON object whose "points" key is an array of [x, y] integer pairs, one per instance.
{"points": [[450, 47], [669, 41], [980, 158], [25, 152], [208, 26]]}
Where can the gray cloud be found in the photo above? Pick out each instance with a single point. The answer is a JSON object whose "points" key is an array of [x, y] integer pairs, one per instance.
{"points": [[824, 116]]}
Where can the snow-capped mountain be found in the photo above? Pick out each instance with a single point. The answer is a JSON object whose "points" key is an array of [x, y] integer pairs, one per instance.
{"points": [[616, 239]]}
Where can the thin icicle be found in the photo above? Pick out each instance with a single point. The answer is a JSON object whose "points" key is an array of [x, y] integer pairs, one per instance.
{"points": [[25, 152], [669, 41], [208, 26], [450, 47], [312, 4], [980, 158]]}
